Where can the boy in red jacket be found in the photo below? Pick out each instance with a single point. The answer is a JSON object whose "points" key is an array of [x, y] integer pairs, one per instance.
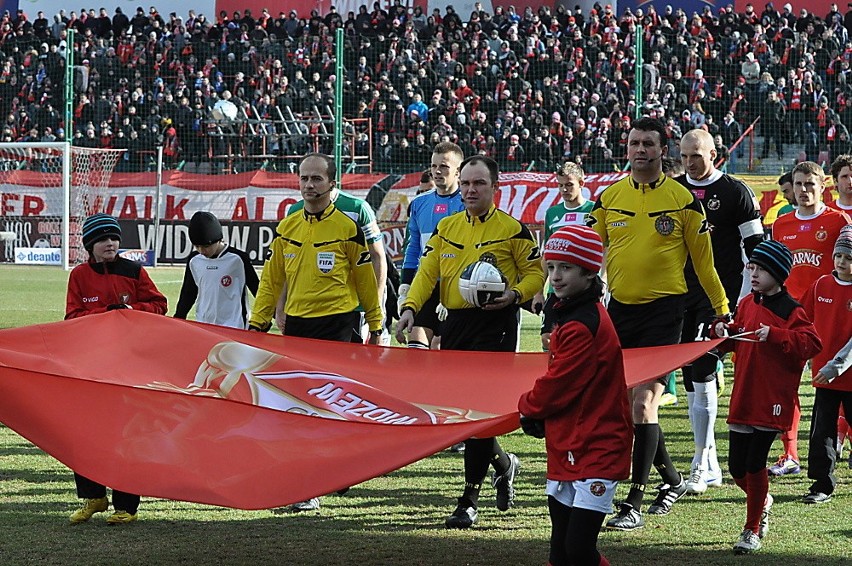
{"points": [[829, 302], [581, 401], [107, 282], [766, 379]]}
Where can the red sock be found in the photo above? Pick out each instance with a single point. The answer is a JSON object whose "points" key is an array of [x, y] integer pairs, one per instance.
{"points": [[741, 483], [758, 488], [790, 438], [842, 427]]}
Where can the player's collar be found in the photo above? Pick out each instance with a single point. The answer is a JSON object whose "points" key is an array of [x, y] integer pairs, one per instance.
{"points": [[482, 217], [709, 180], [317, 216]]}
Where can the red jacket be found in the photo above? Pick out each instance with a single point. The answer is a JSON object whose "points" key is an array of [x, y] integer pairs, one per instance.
{"points": [[767, 374], [829, 304], [92, 287], [583, 396]]}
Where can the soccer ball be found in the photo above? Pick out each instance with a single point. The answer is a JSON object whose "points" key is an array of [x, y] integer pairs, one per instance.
{"points": [[480, 283]]}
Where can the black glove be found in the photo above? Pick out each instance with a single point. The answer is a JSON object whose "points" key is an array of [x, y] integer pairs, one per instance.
{"points": [[532, 427], [115, 307]]}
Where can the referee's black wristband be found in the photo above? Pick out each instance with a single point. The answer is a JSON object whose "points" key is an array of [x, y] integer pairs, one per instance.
{"points": [[517, 296], [407, 308]]}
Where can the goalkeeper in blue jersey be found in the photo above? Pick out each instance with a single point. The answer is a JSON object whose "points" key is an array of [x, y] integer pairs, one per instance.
{"points": [[424, 212]]}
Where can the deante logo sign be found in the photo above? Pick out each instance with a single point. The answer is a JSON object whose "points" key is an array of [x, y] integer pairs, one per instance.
{"points": [[38, 256]]}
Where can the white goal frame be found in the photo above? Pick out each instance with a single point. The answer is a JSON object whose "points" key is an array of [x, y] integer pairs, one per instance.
{"points": [[9, 151]]}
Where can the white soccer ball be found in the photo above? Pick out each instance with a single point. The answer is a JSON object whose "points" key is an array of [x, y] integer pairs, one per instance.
{"points": [[480, 283]]}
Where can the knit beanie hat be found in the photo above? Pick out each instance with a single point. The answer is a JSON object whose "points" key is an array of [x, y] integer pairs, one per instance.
{"points": [[97, 227], [204, 229], [844, 241], [775, 258], [578, 244]]}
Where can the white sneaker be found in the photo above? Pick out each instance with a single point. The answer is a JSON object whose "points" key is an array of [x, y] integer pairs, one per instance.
{"points": [[748, 543], [764, 516], [310, 505], [713, 478], [696, 484]]}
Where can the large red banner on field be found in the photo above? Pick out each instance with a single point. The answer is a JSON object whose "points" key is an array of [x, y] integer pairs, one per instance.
{"points": [[189, 411]]}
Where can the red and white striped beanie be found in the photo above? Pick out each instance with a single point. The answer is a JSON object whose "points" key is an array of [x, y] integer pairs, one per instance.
{"points": [[575, 244]]}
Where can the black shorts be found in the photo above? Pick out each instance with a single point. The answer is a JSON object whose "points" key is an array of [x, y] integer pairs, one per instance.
{"points": [[477, 330], [549, 316], [335, 327], [657, 323], [427, 316], [697, 315]]}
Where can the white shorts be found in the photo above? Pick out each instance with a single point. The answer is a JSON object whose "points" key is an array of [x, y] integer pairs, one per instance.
{"points": [[593, 494]]}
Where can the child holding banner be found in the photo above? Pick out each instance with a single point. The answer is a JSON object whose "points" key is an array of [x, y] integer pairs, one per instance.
{"points": [[107, 282], [780, 339], [580, 405]]}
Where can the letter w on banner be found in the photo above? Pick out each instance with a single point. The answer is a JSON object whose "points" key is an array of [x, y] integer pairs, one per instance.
{"points": [[197, 412]]}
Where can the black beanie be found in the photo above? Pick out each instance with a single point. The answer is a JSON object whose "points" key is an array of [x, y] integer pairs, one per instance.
{"points": [[204, 229], [97, 227], [775, 258]]}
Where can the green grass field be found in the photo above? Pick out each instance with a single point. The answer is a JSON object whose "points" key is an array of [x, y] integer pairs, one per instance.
{"points": [[394, 519]]}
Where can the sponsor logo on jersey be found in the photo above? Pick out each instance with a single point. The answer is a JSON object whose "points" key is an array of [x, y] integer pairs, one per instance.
{"points": [[714, 204], [793, 237], [448, 256], [290, 256], [325, 261], [807, 257], [821, 235], [826, 300], [618, 224], [699, 193], [440, 208], [91, 299], [664, 225], [805, 227], [598, 489], [212, 268], [226, 281]]}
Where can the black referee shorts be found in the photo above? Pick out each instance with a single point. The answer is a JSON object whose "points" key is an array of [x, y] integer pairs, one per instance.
{"points": [[658, 323], [334, 327], [427, 316], [477, 330]]}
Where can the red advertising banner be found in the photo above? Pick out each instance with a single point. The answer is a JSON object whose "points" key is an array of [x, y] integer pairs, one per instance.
{"points": [[247, 420]]}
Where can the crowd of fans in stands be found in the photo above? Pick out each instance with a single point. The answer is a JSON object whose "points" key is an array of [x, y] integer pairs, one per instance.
{"points": [[529, 89]]}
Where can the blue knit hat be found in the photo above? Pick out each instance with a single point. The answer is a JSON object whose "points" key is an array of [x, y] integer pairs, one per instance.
{"points": [[97, 227], [775, 258]]}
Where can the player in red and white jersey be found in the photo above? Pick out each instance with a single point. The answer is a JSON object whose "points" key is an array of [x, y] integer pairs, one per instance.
{"points": [[810, 234], [841, 171], [829, 304]]}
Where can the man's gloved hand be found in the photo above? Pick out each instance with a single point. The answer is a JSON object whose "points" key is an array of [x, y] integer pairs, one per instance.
{"points": [[532, 427], [402, 294], [442, 312]]}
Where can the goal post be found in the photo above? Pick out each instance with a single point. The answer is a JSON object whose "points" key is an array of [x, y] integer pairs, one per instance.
{"points": [[46, 191]]}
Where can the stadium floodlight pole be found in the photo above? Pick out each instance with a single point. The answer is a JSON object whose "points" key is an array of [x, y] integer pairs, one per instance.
{"points": [[338, 103], [66, 155], [157, 203], [640, 39]]}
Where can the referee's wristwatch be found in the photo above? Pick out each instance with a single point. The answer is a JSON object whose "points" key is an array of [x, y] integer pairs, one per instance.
{"points": [[517, 300], [376, 333]]}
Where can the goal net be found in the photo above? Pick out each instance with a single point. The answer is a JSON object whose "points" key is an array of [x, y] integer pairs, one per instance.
{"points": [[46, 191]]}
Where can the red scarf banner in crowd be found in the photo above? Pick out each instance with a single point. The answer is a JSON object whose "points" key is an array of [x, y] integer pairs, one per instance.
{"points": [[195, 412]]}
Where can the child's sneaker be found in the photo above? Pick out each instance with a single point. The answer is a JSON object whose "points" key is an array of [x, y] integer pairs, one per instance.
{"points": [[748, 543], [785, 466]]}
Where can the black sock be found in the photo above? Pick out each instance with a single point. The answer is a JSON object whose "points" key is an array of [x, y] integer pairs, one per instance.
{"points": [[645, 440], [477, 458], [663, 462]]}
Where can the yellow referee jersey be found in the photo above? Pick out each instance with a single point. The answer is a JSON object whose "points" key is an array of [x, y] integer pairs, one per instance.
{"points": [[649, 230], [461, 239], [324, 260]]}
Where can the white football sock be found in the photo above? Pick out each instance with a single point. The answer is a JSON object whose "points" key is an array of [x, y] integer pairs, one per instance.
{"points": [[705, 408], [690, 410]]}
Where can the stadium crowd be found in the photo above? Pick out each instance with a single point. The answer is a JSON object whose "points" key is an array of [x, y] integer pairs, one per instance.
{"points": [[530, 89]]}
